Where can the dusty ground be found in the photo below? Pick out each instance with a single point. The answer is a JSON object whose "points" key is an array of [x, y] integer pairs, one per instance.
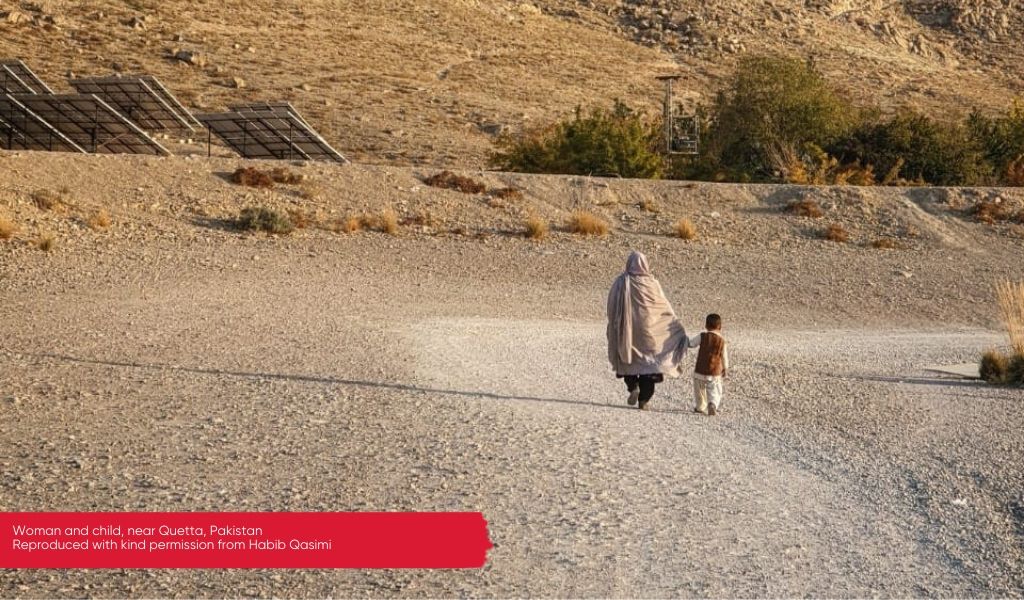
{"points": [[432, 81], [169, 362]]}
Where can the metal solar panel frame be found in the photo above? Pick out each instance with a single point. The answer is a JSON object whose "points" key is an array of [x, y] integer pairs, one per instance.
{"points": [[14, 71], [136, 100], [159, 89], [275, 134], [20, 128], [268, 107], [91, 123]]}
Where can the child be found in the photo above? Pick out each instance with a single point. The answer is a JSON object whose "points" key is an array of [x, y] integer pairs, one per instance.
{"points": [[711, 368]]}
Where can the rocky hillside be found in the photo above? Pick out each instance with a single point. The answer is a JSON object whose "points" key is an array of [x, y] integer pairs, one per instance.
{"points": [[433, 81]]}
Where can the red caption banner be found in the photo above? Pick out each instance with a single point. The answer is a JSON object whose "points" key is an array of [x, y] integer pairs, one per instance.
{"points": [[243, 540]]}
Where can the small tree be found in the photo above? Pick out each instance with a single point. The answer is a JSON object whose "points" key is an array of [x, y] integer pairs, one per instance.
{"points": [[774, 106], [618, 142]]}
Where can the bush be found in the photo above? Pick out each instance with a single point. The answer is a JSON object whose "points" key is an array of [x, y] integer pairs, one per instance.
{"points": [[586, 223], [836, 233], [536, 228], [913, 147], [252, 177], [7, 228], [994, 366], [805, 208], [1015, 370], [619, 142], [1001, 139], [451, 181], [685, 229], [773, 105], [265, 219]]}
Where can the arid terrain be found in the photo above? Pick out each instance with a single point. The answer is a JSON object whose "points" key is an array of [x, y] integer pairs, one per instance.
{"points": [[166, 360], [432, 82]]}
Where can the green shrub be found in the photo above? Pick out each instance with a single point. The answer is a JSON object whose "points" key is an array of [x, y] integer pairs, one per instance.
{"points": [[912, 147], [265, 219], [1001, 139], [994, 366], [773, 106], [618, 142]]}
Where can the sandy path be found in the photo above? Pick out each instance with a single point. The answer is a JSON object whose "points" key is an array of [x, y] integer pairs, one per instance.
{"points": [[844, 480]]}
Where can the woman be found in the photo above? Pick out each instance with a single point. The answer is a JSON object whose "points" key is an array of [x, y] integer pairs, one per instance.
{"points": [[645, 340]]}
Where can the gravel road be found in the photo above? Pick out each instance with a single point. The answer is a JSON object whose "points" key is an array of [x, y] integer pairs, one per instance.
{"points": [[374, 374]]}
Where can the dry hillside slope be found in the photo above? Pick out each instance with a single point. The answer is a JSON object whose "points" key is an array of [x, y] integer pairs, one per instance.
{"points": [[431, 82]]}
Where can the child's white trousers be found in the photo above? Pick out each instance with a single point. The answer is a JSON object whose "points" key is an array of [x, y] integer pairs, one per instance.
{"points": [[707, 390]]}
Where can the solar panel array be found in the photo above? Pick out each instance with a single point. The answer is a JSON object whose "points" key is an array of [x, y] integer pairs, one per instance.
{"points": [[267, 108], [269, 131], [109, 115], [136, 99], [22, 129], [159, 89], [17, 78], [90, 123]]}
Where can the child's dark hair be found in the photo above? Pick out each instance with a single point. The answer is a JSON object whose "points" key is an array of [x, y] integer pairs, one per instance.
{"points": [[714, 321]]}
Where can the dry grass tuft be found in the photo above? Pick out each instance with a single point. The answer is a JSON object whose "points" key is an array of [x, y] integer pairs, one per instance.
{"points": [[286, 176], [389, 222], [423, 218], [685, 229], [587, 223], [300, 218], [650, 206], [49, 199], [1010, 297], [507, 193], [99, 220], [310, 191], [994, 366], [836, 233], [252, 177], [886, 244], [345, 225], [805, 208], [536, 228], [451, 181], [352, 225], [46, 241], [988, 212], [7, 228]]}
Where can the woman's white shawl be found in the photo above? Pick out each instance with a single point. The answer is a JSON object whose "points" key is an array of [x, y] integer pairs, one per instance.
{"points": [[644, 335]]}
